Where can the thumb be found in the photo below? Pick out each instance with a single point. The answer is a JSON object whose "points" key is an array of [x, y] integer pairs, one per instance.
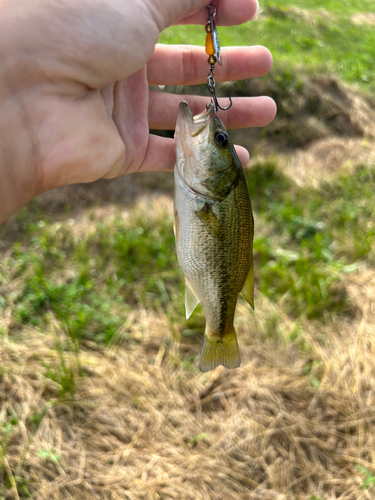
{"points": [[170, 12], [92, 42]]}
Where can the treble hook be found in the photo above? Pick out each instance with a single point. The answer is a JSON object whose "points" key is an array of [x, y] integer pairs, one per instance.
{"points": [[217, 105], [211, 88]]}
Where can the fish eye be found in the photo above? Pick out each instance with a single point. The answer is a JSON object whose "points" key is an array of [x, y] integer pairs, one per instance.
{"points": [[221, 138]]}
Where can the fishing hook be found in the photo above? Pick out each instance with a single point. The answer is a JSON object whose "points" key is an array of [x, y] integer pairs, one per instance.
{"points": [[211, 88]]}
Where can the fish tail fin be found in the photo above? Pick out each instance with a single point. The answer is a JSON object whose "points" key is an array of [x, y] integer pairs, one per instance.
{"points": [[217, 351]]}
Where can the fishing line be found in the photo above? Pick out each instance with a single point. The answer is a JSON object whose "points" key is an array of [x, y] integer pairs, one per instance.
{"points": [[214, 56]]}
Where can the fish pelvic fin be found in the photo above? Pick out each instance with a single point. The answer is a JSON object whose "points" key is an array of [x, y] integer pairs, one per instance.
{"points": [[247, 291], [217, 351]]}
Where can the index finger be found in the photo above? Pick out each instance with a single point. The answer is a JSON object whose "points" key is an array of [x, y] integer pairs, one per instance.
{"points": [[187, 64]]}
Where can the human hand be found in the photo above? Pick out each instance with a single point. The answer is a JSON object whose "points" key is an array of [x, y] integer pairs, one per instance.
{"points": [[74, 99]]}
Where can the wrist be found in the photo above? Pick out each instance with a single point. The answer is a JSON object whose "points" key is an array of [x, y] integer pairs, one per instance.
{"points": [[15, 189], [19, 181]]}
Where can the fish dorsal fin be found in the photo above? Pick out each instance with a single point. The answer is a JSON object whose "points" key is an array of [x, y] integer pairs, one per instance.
{"points": [[247, 291], [210, 221], [191, 300]]}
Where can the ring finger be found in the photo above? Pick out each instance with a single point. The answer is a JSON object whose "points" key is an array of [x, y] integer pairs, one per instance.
{"points": [[245, 112]]}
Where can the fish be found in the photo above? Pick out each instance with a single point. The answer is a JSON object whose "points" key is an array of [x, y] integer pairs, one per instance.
{"points": [[214, 230]]}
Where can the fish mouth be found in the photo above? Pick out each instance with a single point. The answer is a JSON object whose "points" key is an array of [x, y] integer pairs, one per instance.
{"points": [[188, 127], [201, 119], [205, 115]]}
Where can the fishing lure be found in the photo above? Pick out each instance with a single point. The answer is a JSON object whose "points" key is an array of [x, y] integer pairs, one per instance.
{"points": [[214, 56]]}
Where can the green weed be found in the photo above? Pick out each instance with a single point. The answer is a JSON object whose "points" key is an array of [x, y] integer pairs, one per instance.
{"points": [[204, 436], [49, 455], [64, 374], [38, 416], [8, 481], [6, 429], [370, 478]]}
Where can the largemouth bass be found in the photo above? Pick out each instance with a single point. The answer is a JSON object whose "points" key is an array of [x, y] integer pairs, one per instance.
{"points": [[214, 230]]}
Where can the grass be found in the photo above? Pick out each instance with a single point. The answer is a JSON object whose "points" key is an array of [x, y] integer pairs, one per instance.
{"points": [[305, 39], [344, 8], [110, 271], [90, 283], [370, 478], [317, 234], [105, 294], [84, 283]]}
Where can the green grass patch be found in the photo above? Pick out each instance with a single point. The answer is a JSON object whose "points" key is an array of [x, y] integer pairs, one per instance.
{"points": [[317, 235], [92, 283], [345, 7], [304, 39]]}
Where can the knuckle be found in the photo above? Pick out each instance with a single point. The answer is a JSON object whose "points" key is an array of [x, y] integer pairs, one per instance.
{"points": [[189, 65]]}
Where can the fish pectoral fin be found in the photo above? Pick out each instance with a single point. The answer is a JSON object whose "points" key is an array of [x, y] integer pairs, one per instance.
{"points": [[191, 300], [247, 291], [176, 225], [217, 351], [210, 221]]}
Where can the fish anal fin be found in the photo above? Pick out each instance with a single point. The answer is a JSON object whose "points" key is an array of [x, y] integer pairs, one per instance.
{"points": [[247, 291], [217, 351], [191, 300], [210, 221]]}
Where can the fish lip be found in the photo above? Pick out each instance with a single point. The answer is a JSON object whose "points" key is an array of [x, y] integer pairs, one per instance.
{"points": [[184, 113]]}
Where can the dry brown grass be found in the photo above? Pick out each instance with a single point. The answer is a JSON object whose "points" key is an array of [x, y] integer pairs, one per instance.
{"points": [[325, 158], [142, 426]]}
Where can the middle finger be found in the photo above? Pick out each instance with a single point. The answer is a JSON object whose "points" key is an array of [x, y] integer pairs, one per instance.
{"points": [[187, 64]]}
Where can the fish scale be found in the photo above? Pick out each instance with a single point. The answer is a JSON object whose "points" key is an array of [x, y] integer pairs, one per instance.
{"points": [[214, 230]]}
